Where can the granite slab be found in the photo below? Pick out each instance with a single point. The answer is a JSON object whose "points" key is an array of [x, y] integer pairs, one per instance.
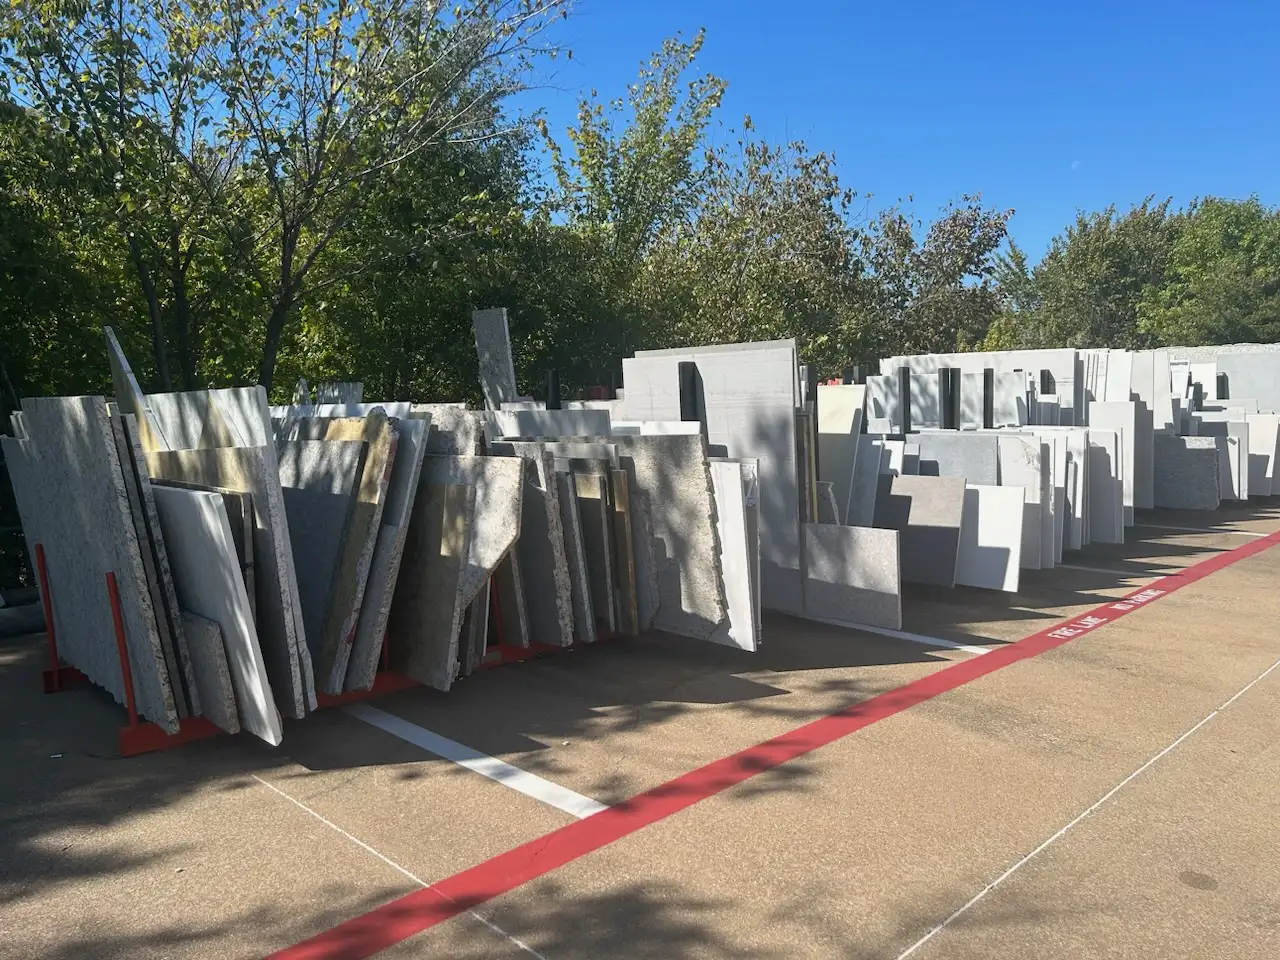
{"points": [[584, 621], [853, 575], [493, 348], [212, 672], [974, 457], [739, 630]]}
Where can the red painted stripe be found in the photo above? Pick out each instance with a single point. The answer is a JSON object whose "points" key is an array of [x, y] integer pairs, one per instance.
{"points": [[400, 919]]}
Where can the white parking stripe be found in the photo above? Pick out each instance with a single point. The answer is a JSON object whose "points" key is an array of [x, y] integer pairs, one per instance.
{"points": [[531, 785], [911, 637]]}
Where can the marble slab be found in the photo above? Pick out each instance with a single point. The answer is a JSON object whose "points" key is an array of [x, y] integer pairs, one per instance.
{"points": [[207, 576], [973, 457], [493, 347], [1104, 488], [991, 538]]}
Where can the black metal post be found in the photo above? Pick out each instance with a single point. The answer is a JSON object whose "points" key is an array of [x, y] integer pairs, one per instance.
{"points": [[904, 398], [553, 390], [689, 383], [1224, 387], [988, 398]]}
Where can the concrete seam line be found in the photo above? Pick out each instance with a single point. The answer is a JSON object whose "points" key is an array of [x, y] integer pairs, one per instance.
{"points": [[531, 785], [1230, 533], [1068, 827], [400, 919], [391, 863]]}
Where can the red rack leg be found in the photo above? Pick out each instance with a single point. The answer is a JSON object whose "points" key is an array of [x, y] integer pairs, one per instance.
{"points": [[126, 672], [57, 677]]}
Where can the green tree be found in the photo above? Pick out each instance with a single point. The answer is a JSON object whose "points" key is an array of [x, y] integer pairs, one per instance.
{"points": [[1222, 280]]}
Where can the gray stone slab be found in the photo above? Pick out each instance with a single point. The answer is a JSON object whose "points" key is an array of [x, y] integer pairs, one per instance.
{"points": [[911, 458], [1009, 400], [991, 538], [71, 496], [319, 480], [511, 605], [1187, 472], [926, 403], [499, 483], [827, 510], [862, 493], [454, 431], [192, 421], [884, 401], [973, 457], [750, 394], [971, 400], [584, 621], [168, 619], [206, 574], [426, 614], [253, 470], [493, 348], [670, 477], [212, 673], [543, 560], [596, 515], [1252, 369], [841, 408], [402, 489], [351, 573], [853, 575], [928, 513]]}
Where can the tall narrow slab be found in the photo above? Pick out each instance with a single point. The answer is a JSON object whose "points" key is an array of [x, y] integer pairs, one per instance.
{"points": [[862, 491], [212, 672], [624, 552], [1105, 490], [130, 397], [493, 347], [584, 621], [207, 577], [735, 556], [1264, 443], [1121, 416], [597, 533], [426, 614], [1021, 466], [841, 408]]}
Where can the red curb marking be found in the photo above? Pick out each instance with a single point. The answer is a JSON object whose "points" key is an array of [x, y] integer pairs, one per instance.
{"points": [[413, 913]]}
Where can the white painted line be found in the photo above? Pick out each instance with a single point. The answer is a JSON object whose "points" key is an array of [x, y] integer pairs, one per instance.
{"points": [[393, 865], [1234, 533], [903, 635], [562, 798], [1064, 830], [1117, 573]]}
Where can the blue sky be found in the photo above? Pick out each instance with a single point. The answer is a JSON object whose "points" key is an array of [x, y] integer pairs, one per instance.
{"points": [[1042, 107]]}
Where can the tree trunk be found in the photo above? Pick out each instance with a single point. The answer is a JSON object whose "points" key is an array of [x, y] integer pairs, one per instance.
{"points": [[275, 327], [158, 345], [187, 335]]}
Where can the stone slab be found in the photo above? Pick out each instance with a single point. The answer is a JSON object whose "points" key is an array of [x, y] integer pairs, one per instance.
{"points": [[186, 697], [926, 401], [575, 548], [207, 576], [884, 401], [493, 348], [319, 480], [991, 538], [536, 424], [426, 614], [1104, 488], [1009, 403], [212, 672], [253, 470], [671, 478], [543, 560], [841, 408], [624, 552], [596, 515], [973, 457], [1187, 473], [71, 496], [862, 491], [750, 394], [971, 401], [499, 484], [735, 556], [351, 573], [130, 397], [339, 392], [1264, 445], [853, 575], [454, 431], [928, 512], [1022, 466], [509, 598], [828, 512], [1123, 418], [402, 490]]}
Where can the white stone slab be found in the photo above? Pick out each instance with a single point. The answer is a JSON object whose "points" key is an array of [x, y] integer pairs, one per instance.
{"points": [[861, 509], [206, 574], [493, 347], [1021, 466], [535, 424], [1264, 441], [1122, 418], [884, 401], [212, 672], [991, 538], [1104, 488], [735, 556]]}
